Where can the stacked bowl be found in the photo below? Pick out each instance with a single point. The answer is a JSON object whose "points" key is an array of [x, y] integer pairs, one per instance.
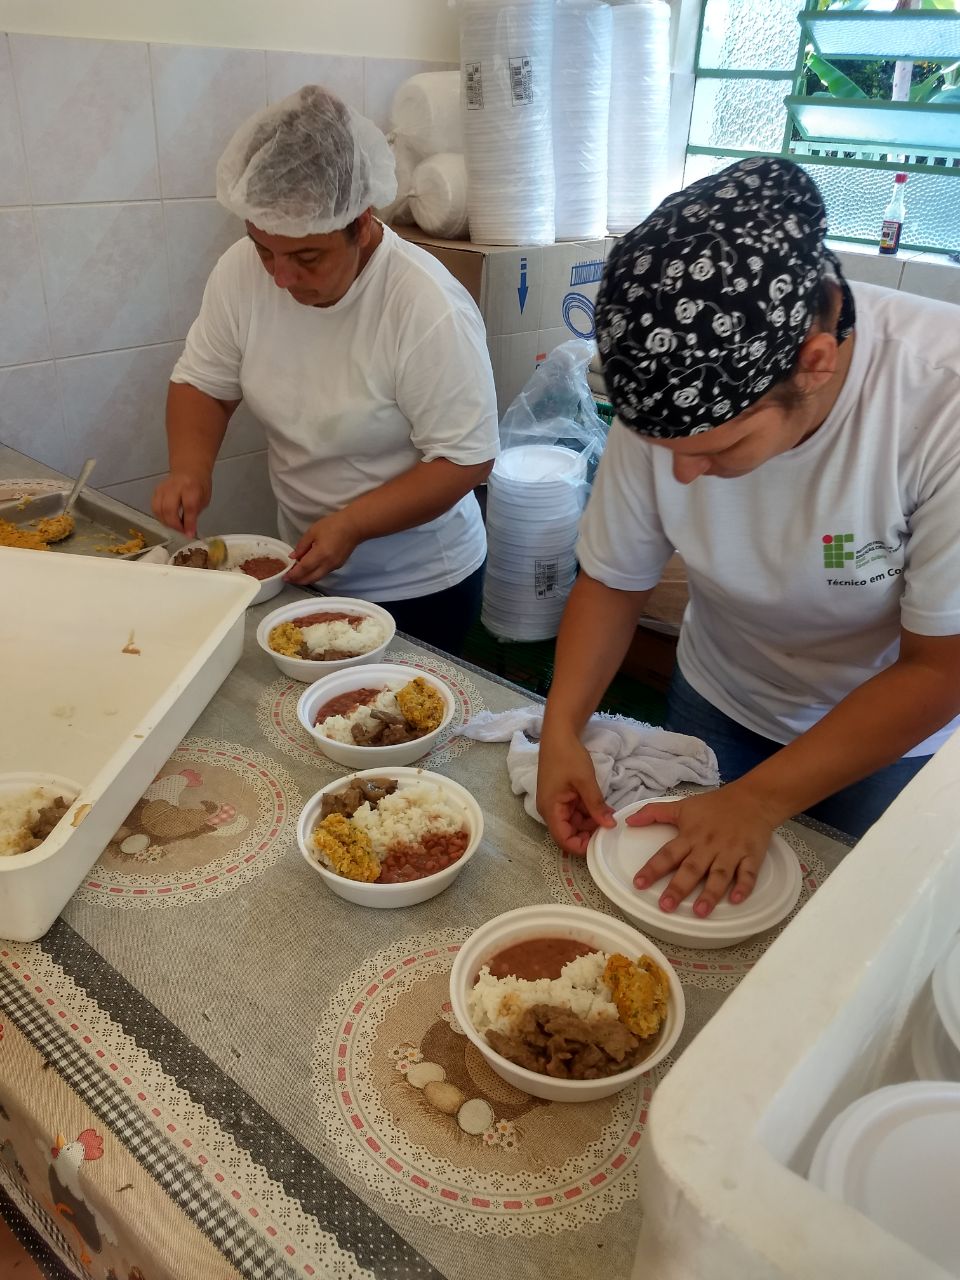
{"points": [[535, 497], [506, 54]]}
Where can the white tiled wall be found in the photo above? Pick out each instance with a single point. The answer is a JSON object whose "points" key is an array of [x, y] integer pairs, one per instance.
{"points": [[108, 231]]}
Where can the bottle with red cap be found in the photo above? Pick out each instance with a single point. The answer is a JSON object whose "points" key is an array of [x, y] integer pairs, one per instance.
{"points": [[894, 217]]}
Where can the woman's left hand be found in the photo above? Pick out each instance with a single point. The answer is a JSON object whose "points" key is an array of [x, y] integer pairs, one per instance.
{"points": [[722, 839], [324, 547]]}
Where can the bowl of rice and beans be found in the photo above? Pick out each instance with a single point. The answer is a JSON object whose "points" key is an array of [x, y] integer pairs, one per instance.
{"points": [[381, 715], [390, 838], [313, 638], [565, 1003], [260, 557]]}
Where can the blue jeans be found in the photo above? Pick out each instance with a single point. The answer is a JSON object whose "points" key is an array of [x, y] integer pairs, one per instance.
{"points": [[739, 750]]}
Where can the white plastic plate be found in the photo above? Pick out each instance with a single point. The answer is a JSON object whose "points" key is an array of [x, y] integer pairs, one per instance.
{"points": [[893, 1156], [615, 855], [946, 990]]}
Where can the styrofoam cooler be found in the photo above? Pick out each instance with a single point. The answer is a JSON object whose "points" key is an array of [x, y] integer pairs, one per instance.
{"points": [[124, 659], [821, 1020], [506, 67]]}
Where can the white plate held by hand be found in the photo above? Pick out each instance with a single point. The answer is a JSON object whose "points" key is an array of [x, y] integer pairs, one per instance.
{"points": [[616, 854]]}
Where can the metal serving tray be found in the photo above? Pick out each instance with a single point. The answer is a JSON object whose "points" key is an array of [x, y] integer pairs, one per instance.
{"points": [[100, 522]]}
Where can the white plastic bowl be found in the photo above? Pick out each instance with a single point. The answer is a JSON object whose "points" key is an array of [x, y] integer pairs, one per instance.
{"points": [[392, 895], [240, 547], [596, 930], [308, 669], [378, 675]]}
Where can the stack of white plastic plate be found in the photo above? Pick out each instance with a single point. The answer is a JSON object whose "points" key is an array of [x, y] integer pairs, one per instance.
{"points": [[934, 1054], [505, 54], [616, 854], [946, 990], [892, 1155], [535, 497]]}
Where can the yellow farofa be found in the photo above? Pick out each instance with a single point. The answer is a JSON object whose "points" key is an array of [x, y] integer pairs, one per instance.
{"points": [[55, 528], [421, 705], [286, 638], [135, 543], [346, 848], [640, 993], [12, 535]]}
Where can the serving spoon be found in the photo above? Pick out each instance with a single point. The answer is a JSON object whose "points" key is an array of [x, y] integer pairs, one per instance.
{"points": [[78, 484]]}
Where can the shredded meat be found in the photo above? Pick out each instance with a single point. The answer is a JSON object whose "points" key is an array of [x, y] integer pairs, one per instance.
{"points": [[357, 792], [193, 558], [554, 1042], [48, 817]]}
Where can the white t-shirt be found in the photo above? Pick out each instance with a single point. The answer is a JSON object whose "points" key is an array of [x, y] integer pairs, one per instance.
{"points": [[395, 373], [802, 572]]}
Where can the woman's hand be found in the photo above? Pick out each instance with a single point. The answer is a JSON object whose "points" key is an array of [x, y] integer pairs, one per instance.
{"points": [[722, 839], [325, 546], [178, 500], [568, 798]]}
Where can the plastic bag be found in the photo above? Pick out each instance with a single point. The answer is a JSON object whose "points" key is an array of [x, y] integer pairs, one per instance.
{"points": [[557, 407]]}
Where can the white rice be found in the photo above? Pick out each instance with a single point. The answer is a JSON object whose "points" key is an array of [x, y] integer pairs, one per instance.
{"points": [[494, 1003], [411, 813], [339, 727], [17, 814], [321, 636]]}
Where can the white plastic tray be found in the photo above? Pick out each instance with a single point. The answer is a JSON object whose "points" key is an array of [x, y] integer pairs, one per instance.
{"points": [[80, 703]]}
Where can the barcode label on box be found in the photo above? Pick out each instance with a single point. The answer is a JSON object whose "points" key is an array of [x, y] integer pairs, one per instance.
{"points": [[545, 575], [521, 81], [473, 86], [586, 272]]}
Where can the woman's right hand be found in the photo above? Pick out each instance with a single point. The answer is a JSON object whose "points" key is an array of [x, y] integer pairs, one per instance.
{"points": [[568, 797], [179, 499]]}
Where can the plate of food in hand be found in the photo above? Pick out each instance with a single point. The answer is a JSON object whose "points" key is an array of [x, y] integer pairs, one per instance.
{"points": [[266, 559]]}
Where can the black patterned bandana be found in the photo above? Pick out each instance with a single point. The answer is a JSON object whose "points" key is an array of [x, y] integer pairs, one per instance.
{"points": [[704, 305]]}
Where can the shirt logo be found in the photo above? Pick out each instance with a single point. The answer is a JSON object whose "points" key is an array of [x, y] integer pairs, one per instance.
{"points": [[837, 550], [840, 552]]}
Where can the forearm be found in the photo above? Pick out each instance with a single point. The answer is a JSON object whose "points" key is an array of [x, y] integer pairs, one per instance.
{"points": [[196, 425], [418, 495], [595, 633], [871, 728]]}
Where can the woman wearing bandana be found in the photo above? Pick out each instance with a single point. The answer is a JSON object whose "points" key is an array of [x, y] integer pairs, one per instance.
{"points": [[798, 443]]}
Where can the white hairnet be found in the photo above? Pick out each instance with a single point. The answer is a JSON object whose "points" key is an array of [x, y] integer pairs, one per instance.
{"points": [[305, 166]]}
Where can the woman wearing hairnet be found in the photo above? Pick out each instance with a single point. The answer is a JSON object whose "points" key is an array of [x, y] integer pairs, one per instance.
{"points": [[797, 442], [363, 358]]}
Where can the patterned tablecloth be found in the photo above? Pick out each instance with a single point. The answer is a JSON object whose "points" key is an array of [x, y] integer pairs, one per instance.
{"points": [[205, 1065]]}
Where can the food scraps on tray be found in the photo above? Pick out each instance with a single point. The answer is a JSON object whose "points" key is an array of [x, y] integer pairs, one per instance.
{"points": [[27, 818], [39, 536]]}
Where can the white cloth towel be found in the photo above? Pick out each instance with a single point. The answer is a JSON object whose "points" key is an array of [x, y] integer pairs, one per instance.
{"points": [[633, 761]]}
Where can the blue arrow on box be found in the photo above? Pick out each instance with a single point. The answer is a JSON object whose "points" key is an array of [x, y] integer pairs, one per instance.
{"points": [[522, 291]]}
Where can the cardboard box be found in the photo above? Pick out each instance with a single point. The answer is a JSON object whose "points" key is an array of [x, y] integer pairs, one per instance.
{"points": [[531, 298]]}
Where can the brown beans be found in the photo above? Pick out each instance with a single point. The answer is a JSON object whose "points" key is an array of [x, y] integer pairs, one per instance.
{"points": [[436, 852]]}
